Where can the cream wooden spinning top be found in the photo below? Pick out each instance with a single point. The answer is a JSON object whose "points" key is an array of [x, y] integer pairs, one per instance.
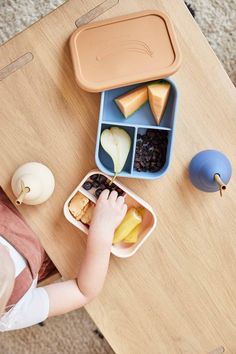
{"points": [[32, 183]]}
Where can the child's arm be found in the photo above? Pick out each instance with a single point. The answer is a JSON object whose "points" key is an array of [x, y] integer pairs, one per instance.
{"points": [[69, 295]]}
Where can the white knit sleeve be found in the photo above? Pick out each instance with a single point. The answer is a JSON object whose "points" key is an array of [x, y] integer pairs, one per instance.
{"points": [[30, 310]]}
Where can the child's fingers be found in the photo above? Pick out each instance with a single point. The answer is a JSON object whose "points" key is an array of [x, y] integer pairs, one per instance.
{"points": [[120, 200], [124, 209], [104, 195], [113, 196]]}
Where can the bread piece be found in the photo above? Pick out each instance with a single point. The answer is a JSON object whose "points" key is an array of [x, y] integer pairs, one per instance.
{"points": [[83, 211], [77, 205], [87, 216]]}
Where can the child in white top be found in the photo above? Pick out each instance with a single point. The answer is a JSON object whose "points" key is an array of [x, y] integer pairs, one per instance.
{"points": [[39, 303]]}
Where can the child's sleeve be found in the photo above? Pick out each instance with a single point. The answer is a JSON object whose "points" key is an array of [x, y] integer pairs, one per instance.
{"points": [[30, 310]]}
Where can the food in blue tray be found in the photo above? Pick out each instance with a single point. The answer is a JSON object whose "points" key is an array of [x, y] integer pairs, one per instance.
{"points": [[117, 143], [151, 148], [131, 101], [158, 94], [97, 183]]}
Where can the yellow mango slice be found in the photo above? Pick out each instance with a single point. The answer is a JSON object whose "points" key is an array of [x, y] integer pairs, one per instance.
{"points": [[130, 221], [133, 235]]}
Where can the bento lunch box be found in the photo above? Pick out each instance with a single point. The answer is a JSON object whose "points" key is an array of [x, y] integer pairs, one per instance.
{"points": [[138, 123], [117, 55], [149, 222]]}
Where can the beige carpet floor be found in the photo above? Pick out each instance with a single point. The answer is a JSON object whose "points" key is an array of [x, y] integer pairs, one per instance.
{"points": [[217, 19], [75, 333], [72, 333]]}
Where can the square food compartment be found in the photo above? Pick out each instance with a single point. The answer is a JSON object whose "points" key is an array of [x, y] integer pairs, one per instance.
{"points": [[110, 115], [158, 156], [121, 249], [104, 161], [109, 111]]}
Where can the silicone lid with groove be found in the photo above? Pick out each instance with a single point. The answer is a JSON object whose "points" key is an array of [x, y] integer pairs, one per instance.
{"points": [[124, 50]]}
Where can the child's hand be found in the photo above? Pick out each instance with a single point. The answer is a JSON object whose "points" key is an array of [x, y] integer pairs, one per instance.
{"points": [[109, 211]]}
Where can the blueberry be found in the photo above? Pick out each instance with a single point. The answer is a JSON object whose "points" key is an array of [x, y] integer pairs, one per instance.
{"points": [[107, 185], [119, 191], [96, 184], [98, 192], [102, 179], [94, 177], [87, 185]]}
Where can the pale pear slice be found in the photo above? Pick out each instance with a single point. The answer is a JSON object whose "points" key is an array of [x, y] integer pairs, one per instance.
{"points": [[158, 94], [116, 142], [131, 101]]}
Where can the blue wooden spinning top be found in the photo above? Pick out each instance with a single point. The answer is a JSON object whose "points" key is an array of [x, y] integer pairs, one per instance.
{"points": [[210, 171]]}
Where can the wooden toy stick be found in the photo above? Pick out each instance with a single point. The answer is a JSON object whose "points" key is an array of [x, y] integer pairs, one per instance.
{"points": [[24, 191], [221, 185]]}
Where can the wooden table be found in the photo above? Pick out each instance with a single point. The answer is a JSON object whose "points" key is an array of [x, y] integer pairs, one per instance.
{"points": [[178, 293]]}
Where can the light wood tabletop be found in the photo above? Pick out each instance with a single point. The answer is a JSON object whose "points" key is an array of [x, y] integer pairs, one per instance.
{"points": [[178, 293]]}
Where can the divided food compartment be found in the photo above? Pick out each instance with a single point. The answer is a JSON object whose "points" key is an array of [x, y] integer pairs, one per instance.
{"points": [[121, 249], [138, 123]]}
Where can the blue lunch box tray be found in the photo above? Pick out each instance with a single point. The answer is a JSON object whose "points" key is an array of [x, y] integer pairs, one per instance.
{"points": [[138, 123]]}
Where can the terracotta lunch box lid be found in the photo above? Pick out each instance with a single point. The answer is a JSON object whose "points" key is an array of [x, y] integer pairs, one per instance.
{"points": [[124, 50]]}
